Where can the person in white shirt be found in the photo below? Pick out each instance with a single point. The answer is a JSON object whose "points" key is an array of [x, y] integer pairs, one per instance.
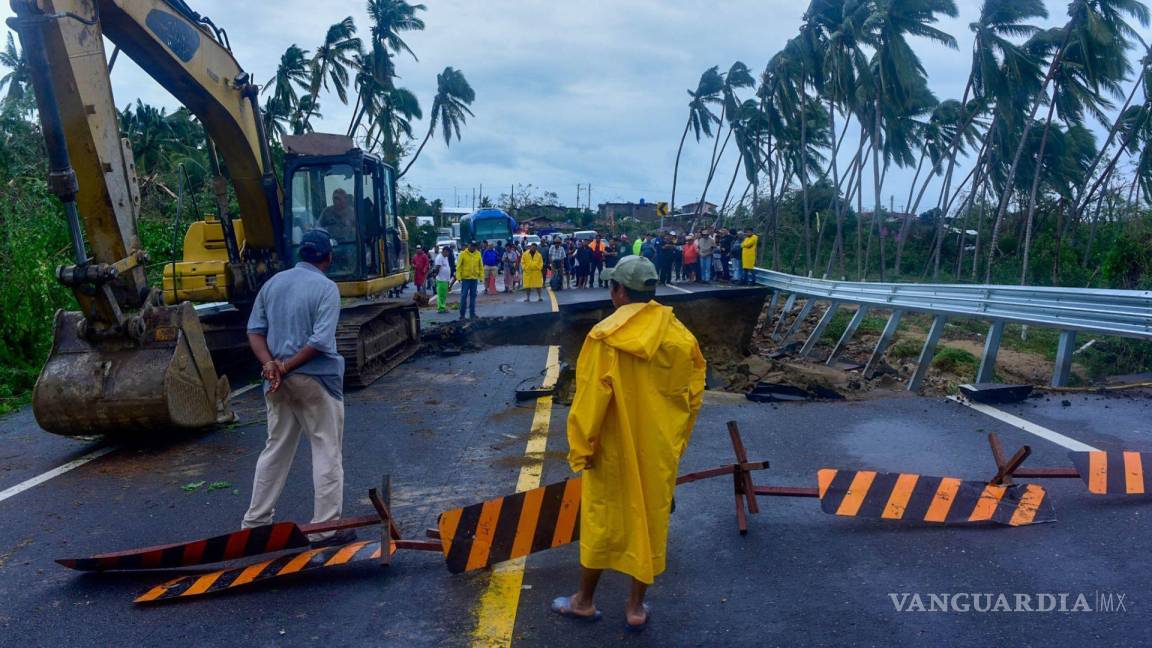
{"points": [[442, 270]]}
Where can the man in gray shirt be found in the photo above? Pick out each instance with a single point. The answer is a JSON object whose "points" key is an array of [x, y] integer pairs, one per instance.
{"points": [[292, 332]]}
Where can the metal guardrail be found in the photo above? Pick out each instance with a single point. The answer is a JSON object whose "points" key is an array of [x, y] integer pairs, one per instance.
{"points": [[1126, 313]]}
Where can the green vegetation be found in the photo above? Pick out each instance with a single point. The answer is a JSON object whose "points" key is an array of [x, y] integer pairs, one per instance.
{"points": [[170, 150], [1010, 183], [904, 349], [955, 361]]}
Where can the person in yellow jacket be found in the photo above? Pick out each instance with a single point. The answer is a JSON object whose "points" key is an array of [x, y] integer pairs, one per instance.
{"points": [[639, 385], [532, 264], [748, 256], [469, 270]]}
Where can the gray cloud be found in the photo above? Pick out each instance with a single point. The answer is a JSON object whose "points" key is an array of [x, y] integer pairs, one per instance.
{"points": [[567, 93]]}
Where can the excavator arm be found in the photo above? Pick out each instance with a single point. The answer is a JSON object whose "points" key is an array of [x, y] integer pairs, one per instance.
{"points": [[126, 362]]}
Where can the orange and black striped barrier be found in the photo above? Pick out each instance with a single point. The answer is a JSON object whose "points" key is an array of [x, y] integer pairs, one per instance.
{"points": [[511, 527], [514, 526], [272, 538], [906, 496], [1119, 472], [286, 565]]}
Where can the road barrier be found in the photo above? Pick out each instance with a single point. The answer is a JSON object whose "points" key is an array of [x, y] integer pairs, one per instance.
{"points": [[906, 496], [1126, 313], [1115, 472]]}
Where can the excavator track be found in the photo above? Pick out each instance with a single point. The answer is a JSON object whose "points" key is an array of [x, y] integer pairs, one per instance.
{"points": [[374, 338]]}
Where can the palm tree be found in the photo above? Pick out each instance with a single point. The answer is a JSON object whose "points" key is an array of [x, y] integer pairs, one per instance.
{"points": [[453, 96], [1002, 73], [839, 22], [154, 140], [390, 19], [896, 70], [1073, 94], [331, 61], [700, 116], [291, 73], [738, 76], [19, 79], [1098, 32], [397, 108]]}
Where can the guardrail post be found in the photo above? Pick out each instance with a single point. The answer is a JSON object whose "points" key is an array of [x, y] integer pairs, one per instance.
{"points": [[987, 371], [861, 312], [882, 343], [817, 332], [809, 302], [788, 304], [772, 305], [1064, 351], [927, 353]]}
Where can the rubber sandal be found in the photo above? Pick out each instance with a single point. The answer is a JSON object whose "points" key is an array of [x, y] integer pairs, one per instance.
{"points": [[641, 626], [562, 605]]}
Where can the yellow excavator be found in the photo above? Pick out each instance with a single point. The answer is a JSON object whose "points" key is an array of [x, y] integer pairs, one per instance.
{"points": [[137, 359]]}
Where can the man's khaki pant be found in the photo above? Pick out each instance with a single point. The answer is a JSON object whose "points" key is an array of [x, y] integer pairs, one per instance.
{"points": [[301, 405], [490, 273]]}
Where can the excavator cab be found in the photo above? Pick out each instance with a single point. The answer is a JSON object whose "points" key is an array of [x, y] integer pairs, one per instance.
{"points": [[352, 196], [331, 184]]}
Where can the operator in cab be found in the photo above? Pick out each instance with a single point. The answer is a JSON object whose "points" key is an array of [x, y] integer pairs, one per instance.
{"points": [[339, 218]]}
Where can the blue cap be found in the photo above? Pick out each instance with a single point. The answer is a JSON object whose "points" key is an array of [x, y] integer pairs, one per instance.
{"points": [[315, 244]]}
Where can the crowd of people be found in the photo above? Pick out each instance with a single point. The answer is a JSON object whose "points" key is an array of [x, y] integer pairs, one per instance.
{"points": [[707, 256]]}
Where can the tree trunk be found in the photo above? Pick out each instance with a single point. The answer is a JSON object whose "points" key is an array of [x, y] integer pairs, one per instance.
{"points": [[1031, 197], [415, 155], [877, 219], [715, 162], [859, 209], [1085, 198], [728, 194], [906, 221], [676, 168], [838, 244], [1002, 208], [803, 168]]}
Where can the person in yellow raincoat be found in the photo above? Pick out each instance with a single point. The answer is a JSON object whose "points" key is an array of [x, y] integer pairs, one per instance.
{"points": [[532, 265], [639, 385], [748, 256]]}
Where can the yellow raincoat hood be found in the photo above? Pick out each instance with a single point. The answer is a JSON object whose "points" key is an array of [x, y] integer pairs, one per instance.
{"points": [[636, 329], [639, 386]]}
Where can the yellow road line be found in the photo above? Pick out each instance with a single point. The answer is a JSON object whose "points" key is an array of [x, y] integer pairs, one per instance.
{"points": [[555, 305], [496, 611]]}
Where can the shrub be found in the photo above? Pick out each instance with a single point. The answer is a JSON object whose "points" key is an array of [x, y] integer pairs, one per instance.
{"points": [[955, 361]]}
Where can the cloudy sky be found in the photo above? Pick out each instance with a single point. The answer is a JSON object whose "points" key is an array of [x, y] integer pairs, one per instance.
{"points": [[591, 92]]}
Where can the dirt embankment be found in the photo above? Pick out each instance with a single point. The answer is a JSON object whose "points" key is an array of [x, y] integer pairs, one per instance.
{"points": [[776, 358]]}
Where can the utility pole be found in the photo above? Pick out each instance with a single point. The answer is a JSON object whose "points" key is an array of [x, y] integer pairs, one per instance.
{"points": [[473, 198], [589, 196], [577, 196]]}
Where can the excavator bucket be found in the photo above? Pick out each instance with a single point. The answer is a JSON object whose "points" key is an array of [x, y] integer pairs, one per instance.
{"points": [[160, 379]]}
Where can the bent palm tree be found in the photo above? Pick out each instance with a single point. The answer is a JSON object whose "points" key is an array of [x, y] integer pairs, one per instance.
{"points": [[292, 73], [700, 117], [331, 61], [453, 96]]}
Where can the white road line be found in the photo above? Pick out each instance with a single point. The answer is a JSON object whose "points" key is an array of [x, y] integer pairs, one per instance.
{"points": [[91, 456], [55, 472], [689, 292], [1027, 426], [244, 390]]}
